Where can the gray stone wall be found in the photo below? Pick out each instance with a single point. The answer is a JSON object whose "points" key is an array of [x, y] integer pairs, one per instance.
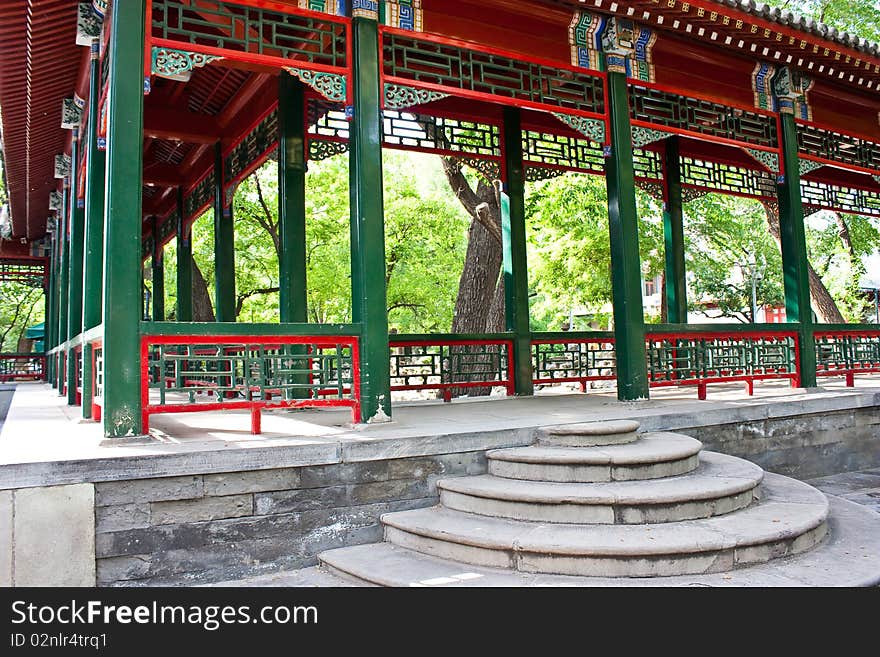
{"points": [[800, 446], [215, 527]]}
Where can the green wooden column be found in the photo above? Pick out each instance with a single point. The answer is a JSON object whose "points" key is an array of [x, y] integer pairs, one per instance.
{"points": [[673, 233], [292, 199], [224, 246], [513, 232], [122, 241], [791, 229], [158, 273], [75, 275], [184, 264], [93, 263], [51, 323], [64, 279], [626, 271], [93, 283], [369, 306]]}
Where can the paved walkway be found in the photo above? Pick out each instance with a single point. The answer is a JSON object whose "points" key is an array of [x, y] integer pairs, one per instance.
{"points": [[862, 487]]}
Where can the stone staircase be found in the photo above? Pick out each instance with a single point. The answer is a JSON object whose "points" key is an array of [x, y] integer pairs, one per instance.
{"points": [[596, 501]]}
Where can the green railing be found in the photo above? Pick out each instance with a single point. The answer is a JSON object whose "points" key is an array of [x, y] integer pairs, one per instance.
{"points": [[451, 362], [847, 350], [575, 356], [697, 356]]}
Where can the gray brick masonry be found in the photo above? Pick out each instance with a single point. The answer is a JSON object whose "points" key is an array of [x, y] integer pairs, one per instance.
{"points": [[204, 528]]}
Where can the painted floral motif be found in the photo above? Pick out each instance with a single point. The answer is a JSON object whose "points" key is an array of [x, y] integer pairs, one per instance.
{"points": [[592, 129], [88, 24], [398, 96], [178, 64], [321, 150], [331, 86], [768, 158], [643, 136], [71, 112], [62, 166]]}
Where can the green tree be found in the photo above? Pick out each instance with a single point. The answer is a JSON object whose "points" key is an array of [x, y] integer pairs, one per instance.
{"points": [[425, 241], [570, 251], [722, 235]]}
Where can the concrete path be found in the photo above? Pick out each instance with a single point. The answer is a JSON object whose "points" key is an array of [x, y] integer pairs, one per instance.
{"points": [[862, 487], [7, 390]]}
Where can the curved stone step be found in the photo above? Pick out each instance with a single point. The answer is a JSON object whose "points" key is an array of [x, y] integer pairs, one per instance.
{"points": [[847, 558], [653, 456], [721, 484], [590, 434], [789, 520]]}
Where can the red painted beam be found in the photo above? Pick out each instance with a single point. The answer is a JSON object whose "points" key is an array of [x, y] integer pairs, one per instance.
{"points": [[162, 123]]}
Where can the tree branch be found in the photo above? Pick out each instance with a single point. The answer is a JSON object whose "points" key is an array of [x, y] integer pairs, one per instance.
{"points": [[251, 293], [268, 224]]}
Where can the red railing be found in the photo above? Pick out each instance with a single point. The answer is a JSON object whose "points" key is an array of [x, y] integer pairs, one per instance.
{"points": [[22, 367], [694, 357], [193, 373]]}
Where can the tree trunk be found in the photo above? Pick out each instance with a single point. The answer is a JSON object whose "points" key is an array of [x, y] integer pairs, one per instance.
{"points": [[203, 310], [495, 322], [476, 288], [479, 305], [845, 238], [823, 303]]}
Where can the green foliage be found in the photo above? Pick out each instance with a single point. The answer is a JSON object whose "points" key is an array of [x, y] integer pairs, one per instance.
{"points": [[859, 17], [426, 239], [21, 305], [723, 234], [569, 248], [834, 263]]}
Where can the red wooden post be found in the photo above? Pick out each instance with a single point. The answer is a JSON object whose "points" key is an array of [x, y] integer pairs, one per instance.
{"points": [[256, 418]]}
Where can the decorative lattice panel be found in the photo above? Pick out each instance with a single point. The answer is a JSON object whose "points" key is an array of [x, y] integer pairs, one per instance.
{"points": [[201, 195], [719, 177], [15, 367], [648, 165], [253, 30], [185, 374], [439, 134], [327, 120], [574, 360], [830, 145], [562, 151], [850, 351], [458, 69], [824, 196], [260, 140], [23, 271], [416, 366], [697, 357], [663, 109]]}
